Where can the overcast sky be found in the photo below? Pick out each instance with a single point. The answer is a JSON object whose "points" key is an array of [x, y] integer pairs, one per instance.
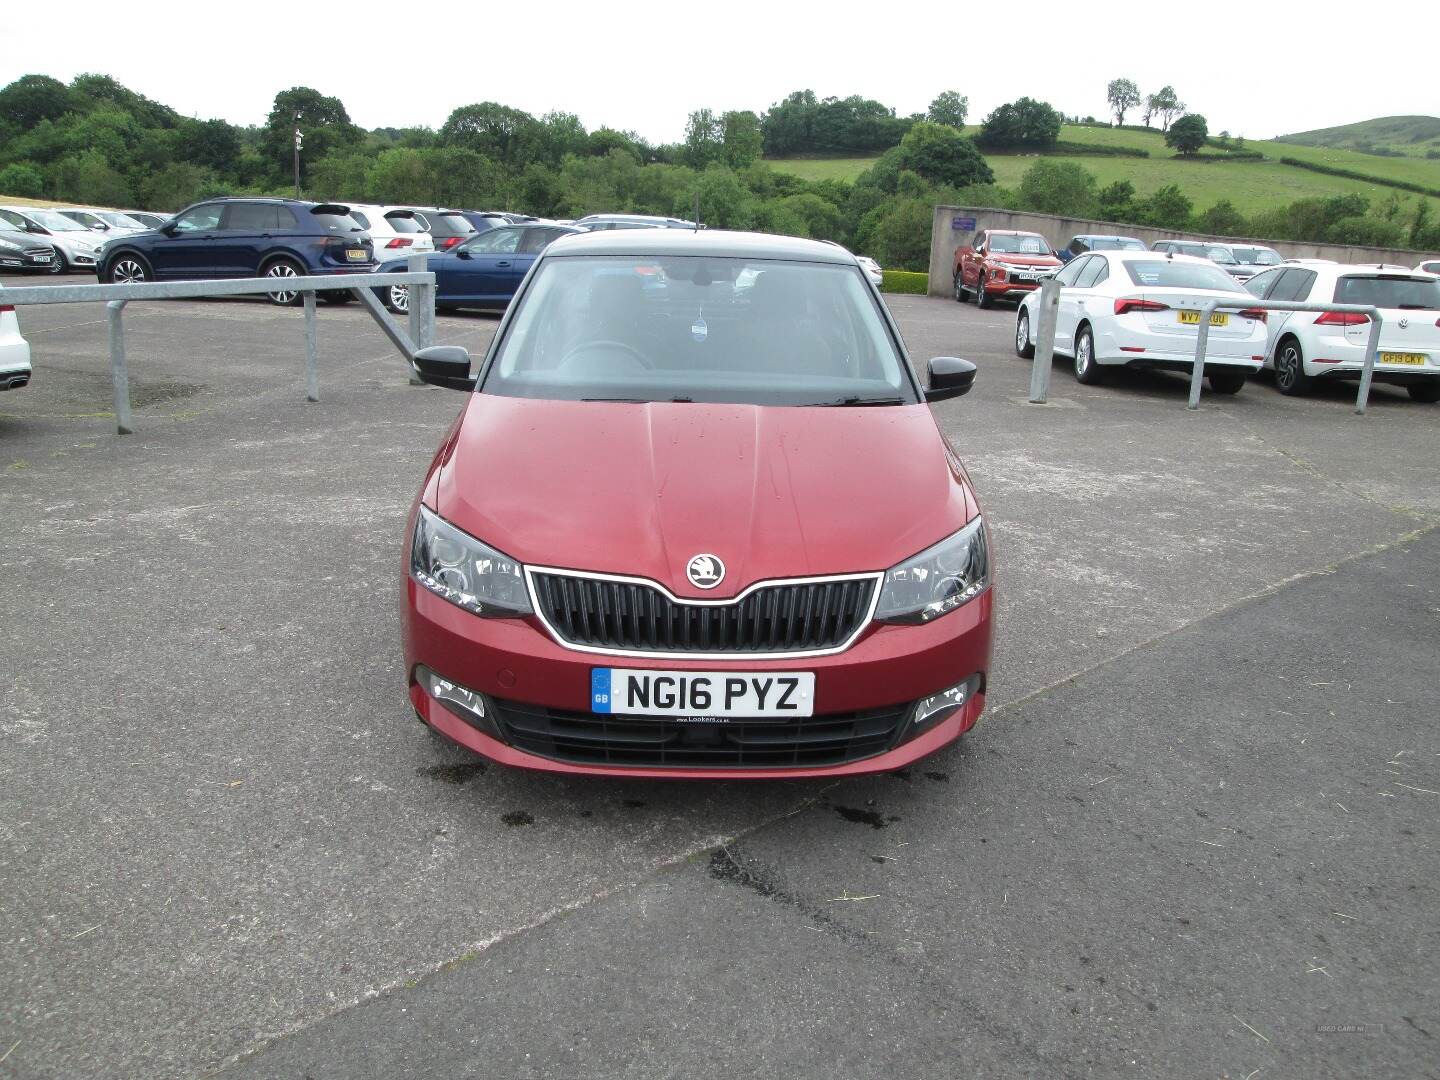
{"points": [[1277, 68]]}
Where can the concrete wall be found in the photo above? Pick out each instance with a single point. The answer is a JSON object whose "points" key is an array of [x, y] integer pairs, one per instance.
{"points": [[945, 239]]}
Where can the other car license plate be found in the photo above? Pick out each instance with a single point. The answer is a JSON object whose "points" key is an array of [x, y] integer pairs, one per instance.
{"points": [[42, 258], [1192, 318], [356, 256], [703, 695], [1415, 359]]}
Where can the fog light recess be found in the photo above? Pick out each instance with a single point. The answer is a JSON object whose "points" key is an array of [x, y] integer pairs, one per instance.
{"points": [[469, 704], [936, 707]]}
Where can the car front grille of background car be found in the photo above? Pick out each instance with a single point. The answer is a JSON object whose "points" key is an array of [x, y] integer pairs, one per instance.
{"points": [[799, 617], [600, 739]]}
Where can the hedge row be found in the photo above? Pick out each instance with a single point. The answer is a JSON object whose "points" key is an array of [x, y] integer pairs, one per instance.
{"points": [[1236, 155], [1074, 148], [1350, 174], [906, 281]]}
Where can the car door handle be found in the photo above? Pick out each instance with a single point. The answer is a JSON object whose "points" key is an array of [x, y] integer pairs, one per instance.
{"points": [[504, 263]]}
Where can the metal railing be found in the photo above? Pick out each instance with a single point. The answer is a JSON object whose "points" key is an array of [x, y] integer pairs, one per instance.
{"points": [[1049, 312], [421, 308], [1202, 339]]}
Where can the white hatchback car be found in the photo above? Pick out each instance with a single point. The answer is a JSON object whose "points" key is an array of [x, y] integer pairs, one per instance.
{"points": [[394, 230], [872, 269], [1142, 309], [1430, 266], [1306, 346], [14, 350]]}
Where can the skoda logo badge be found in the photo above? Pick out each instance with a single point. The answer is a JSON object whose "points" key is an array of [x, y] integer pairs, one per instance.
{"points": [[705, 571]]}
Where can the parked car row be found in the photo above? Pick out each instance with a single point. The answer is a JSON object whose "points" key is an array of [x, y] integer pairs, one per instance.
{"points": [[1137, 308]]}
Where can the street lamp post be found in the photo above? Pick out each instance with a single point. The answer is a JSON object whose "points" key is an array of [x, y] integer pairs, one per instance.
{"points": [[298, 139]]}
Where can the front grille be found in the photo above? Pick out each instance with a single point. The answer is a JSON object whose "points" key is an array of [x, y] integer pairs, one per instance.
{"points": [[31, 253], [809, 616], [594, 739]]}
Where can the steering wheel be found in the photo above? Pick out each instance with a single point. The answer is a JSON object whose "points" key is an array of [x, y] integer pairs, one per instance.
{"points": [[607, 343]]}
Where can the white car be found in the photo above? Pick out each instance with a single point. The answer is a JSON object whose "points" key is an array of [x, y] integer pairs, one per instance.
{"points": [[1142, 309], [14, 350], [1430, 266], [1304, 347], [75, 245], [110, 223], [394, 230], [872, 269]]}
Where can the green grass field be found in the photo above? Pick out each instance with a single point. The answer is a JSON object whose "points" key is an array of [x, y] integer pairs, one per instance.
{"points": [[1251, 186]]}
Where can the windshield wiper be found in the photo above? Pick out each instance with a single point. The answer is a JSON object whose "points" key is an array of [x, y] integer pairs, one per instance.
{"points": [[640, 400], [857, 401]]}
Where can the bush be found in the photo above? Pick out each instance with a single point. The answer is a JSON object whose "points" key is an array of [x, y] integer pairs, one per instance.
{"points": [[1059, 187], [22, 180], [905, 281]]}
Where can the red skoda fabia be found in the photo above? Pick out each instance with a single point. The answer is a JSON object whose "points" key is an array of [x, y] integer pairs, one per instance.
{"points": [[696, 520]]}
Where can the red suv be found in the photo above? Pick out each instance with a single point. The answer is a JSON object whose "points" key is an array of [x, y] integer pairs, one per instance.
{"points": [[1002, 264], [696, 520]]}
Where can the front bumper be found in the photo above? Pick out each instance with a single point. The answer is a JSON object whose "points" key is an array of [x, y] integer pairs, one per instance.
{"points": [[516, 661]]}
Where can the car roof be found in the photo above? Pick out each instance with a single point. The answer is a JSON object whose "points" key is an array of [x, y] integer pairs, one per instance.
{"points": [[1148, 256], [1101, 236], [1011, 232], [715, 243]]}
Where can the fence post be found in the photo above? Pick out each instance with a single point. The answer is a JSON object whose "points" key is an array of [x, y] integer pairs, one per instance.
{"points": [[1362, 396], [1202, 345], [415, 264], [312, 350], [1045, 341], [119, 373]]}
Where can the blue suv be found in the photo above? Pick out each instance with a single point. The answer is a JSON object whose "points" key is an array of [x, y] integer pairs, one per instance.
{"points": [[239, 238]]}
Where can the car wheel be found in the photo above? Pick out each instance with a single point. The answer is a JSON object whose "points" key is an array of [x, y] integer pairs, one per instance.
{"points": [[959, 289], [1024, 344], [1425, 391], [58, 265], [1224, 381], [397, 299], [982, 298], [1087, 369], [281, 270], [1290, 377], [128, 270]]}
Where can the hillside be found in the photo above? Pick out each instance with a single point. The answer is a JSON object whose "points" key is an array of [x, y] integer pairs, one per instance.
{"points": [[1250, 185], [1411, 135]]}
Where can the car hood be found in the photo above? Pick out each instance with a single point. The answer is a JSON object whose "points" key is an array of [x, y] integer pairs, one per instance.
{"points": [[1024, 260], [640, 489]]}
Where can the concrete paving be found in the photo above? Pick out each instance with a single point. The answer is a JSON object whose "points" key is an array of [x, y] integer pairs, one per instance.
{"points": [[227, 844]]}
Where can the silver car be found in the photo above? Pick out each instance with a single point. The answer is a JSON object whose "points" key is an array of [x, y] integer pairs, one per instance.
{"points": [[76, 247]]}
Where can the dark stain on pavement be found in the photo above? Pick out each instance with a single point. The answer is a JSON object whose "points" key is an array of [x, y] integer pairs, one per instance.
{"points": [[452, 774], [861, 817], [518, 817]]}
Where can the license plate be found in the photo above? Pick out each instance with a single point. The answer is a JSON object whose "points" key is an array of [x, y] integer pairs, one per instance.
{"points": [[701, 696], [42, 258], [1192, 318], [1414, 359], [356, 256]]}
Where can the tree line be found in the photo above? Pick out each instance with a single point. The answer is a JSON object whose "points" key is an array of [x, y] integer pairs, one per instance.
{"points": [[94, 141]]}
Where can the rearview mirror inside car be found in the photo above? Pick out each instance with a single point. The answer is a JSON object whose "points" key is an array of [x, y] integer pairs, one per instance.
{"points": [[445, 365], [950, 377]]}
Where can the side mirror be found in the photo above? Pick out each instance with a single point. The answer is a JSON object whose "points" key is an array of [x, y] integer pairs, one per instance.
{"points": [[445, 365], [950, 377], [169, 228], [100, 226], [463, 253]]}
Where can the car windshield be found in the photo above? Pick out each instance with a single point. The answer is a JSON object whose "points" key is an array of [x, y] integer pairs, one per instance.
{"points": [[1115, 243], [1388, 291], [1220, 255], [1164, 273], [1256, 256], [1018, 245], [693, 328], [56, 222], [119, 220]]}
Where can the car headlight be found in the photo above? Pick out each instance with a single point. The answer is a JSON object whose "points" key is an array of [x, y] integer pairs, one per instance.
{"points": [[939, 579], [458, 568]]}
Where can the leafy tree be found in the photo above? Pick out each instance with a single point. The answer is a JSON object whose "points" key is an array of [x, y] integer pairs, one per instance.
{"points": [[741, 141], [801, 124], [603, 140], [704, 138], [324, 123], [1021, 123], [558, 134], [1164, 104], [901, 236], [22, 180], [949, 107], [1188, 134], [1168, 208], [1059, 187], [397, 176], [1123, 95], [495, 131], [211, 143], [1222, 219], [32, 98], [1117, 201], [174, 187], [341, 177], [725, 203], [942, 155], [88, 178]]}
